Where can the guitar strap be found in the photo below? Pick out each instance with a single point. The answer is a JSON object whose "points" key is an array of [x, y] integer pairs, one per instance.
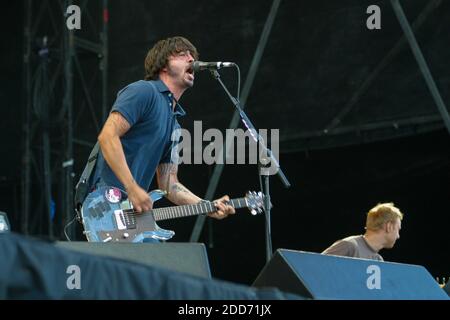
{"points": [[82, 187]]}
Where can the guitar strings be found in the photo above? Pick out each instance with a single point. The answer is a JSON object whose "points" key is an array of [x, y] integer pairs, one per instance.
{"points": [[134, 213]]}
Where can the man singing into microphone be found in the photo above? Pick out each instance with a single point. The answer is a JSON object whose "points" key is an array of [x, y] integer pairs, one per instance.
{"points": [[135, 141]]}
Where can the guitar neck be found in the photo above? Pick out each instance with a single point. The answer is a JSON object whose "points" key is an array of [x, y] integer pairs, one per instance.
{"points": [[193, 209]]}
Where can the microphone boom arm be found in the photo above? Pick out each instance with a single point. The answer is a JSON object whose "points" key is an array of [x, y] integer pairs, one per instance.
{"points": [[249, 125], [264, 172]]}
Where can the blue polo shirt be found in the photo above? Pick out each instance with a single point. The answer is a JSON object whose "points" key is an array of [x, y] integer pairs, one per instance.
{"points": [[147, 106]]}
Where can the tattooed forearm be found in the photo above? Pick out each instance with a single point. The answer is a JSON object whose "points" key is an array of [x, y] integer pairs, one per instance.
{"points": [[167, 168], [179, 194], [178, 187], [176, 192], [166, 175]]}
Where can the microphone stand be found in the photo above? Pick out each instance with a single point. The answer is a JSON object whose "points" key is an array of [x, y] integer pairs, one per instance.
{"points": [[264, 171]]}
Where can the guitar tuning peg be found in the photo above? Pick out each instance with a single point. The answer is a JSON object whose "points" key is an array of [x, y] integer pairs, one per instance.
{"points": [[253, 212], [259, 210]]}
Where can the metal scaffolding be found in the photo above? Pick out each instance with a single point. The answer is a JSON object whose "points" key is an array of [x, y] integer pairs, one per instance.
{"points": [[55, 62]]}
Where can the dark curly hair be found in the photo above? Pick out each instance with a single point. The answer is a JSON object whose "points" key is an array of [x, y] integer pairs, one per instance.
{"points": [[157, 57]]}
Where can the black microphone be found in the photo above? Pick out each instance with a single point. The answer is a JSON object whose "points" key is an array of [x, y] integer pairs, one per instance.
{"points": [[200, 65]]}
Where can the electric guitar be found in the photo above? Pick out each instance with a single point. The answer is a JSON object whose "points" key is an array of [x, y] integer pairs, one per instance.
{"points": [[107, 215]]}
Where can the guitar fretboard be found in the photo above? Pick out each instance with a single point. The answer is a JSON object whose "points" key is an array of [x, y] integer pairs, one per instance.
{"points": [[193, 209]]}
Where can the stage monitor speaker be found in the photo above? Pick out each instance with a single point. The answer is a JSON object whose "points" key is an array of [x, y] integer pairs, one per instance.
{"points": [[318, 276], [36, 269], [189, 258]]}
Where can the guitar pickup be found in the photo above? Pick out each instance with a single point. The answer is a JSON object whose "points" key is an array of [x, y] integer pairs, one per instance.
{"points": [[124, 220], [118, 215]]}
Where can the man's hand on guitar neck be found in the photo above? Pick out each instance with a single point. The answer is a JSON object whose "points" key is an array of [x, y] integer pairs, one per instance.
{"points": [[139, 198], [223, 209]]}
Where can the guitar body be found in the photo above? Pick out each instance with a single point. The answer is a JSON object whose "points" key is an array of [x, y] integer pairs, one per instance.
{"points": [[107, 216]]}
